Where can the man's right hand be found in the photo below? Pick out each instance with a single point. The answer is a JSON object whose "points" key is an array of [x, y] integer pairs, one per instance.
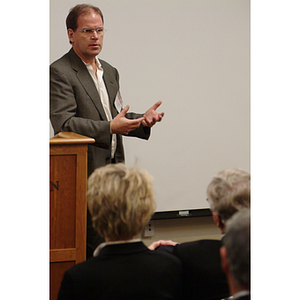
{"points": [[121, 125]]}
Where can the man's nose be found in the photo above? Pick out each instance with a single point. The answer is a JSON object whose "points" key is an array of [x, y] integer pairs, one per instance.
{"points": [[95, 35]]}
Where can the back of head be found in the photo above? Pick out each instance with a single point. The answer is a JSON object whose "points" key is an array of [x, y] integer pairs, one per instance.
{"points": [[237, 243], [120, 200], [228, 192]]}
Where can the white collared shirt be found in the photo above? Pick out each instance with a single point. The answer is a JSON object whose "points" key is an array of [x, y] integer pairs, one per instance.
{"points": [[240, 294], [102, 245], [100, 85], [237, 295]]}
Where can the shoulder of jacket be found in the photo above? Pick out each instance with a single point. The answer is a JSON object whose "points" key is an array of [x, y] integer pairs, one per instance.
{"points": [[106, 64]]}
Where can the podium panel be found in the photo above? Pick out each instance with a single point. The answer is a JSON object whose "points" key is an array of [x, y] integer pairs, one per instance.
{"points": [[68, 184]]}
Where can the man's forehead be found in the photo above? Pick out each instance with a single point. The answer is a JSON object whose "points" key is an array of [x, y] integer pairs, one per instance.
{"points": [[89, 18]]}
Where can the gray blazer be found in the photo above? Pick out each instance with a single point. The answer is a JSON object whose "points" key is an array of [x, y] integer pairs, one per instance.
{"points": [[75, 106]]}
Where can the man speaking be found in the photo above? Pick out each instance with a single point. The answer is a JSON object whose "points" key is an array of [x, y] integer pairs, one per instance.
{"points": [[85, 96]]}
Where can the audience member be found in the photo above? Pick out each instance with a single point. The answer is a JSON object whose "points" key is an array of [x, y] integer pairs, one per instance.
{"points": [[235, 254], [121, 203], [228, 192], [203, 278]]}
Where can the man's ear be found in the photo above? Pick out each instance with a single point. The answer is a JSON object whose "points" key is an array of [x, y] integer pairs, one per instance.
{"points": [[217, 219], [224, 261], [70, 35]]}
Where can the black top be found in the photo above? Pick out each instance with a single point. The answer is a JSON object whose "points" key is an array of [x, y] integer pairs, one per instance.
{"points": [[124, 271], [203, 278]]}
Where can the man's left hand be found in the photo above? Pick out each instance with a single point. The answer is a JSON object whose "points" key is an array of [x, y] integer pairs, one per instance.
{"points": [[152, 116]]}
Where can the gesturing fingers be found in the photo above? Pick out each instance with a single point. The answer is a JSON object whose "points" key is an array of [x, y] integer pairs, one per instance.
{"points": [[121, 125], [157, 104], [124, 110], [131, 125], [151, 119]]}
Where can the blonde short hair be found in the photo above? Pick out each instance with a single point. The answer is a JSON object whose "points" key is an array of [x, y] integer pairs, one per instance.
{"points": [[120, 200], [228, 192]]}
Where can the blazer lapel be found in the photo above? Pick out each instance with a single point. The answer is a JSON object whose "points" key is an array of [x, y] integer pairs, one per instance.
{"points": [[87, 82]]}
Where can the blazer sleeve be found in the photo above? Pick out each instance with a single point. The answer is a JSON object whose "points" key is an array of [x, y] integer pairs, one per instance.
{"points": [[141, 132], [69, 110]]}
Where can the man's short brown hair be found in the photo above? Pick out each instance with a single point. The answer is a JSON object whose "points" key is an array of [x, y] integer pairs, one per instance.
{"points": [[79, 9]]}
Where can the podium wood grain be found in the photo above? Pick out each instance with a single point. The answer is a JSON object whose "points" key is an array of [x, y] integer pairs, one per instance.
{"points": [[68, 184]]}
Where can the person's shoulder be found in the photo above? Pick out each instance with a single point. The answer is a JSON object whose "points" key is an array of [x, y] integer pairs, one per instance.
{"points": [[199, 245], [83, 268], [165, 252], [61, 62], [106, 65]]}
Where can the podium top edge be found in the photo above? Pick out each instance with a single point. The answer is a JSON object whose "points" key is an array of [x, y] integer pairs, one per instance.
{"points": [[71, 138]]}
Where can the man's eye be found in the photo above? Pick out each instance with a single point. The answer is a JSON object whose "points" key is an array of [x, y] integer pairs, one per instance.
{"points": [[87, 30]]}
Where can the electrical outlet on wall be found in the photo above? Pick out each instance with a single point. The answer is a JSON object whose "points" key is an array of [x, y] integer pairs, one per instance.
{"points": [[149, 229]]}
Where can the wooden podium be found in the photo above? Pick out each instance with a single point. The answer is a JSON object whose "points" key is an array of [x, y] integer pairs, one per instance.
{"points": [[68, 207]]}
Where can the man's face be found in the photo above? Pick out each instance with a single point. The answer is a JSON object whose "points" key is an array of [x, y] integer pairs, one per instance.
{"points": [[87, 46]]}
